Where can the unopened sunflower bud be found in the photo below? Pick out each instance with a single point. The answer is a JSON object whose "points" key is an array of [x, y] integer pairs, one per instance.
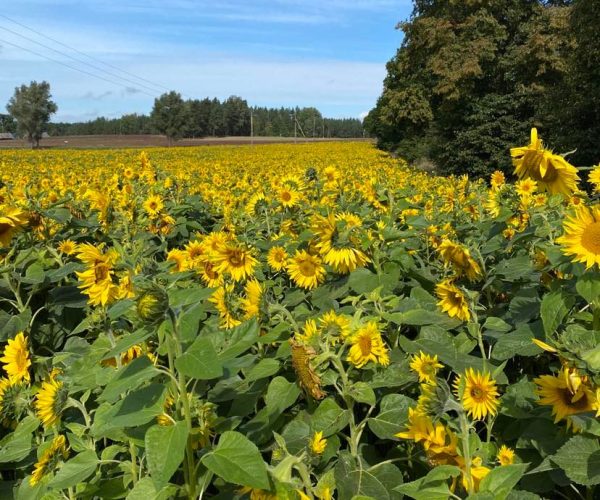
{"points": [[152, 305]]}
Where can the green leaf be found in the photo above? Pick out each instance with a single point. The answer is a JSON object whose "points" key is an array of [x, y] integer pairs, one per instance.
{"points": [[496, 325], [165, 449], [517, 343], [553, 310], [185, 296], [128, 341], [501, 480], [119, 308], [263, 369], [393, 414], [361, 392], [239, 340], [75, 470], [281, 394], [237, 460], [363, 281], [129, 377], [379, 481], [588, 286], [329, 418], [200, 361], [580, 459], [434, 486]]}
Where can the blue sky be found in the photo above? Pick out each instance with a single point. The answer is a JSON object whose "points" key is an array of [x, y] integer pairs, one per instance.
{"points": [[330, 54]]}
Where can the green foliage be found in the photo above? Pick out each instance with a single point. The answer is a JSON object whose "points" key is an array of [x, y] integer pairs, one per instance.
{"points": [[31, 107], [169, 115]]}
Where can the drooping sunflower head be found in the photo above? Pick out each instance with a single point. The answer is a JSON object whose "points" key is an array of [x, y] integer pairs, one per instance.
{"points": [[581, 238], [336, 326], [12, 219], [425, 366], [452, 300], [16, 359], [14, 402], [478, 393], [460, 259], [179, 258]]}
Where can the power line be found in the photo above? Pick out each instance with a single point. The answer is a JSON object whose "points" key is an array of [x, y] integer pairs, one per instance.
{"points": [[79, 60], [157, 85], [71, 67]]}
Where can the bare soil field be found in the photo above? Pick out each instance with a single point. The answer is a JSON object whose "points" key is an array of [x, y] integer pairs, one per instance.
{"points": [[145, 141]]}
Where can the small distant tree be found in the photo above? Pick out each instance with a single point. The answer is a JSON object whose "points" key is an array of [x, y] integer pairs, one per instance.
{"points": [[31, 107], [169, 115]]}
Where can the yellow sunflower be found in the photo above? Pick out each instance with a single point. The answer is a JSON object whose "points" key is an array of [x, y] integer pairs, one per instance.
{"points": [[452, 300], [335, 325], [425, 366], [566, 396], [478, 472], [506, 455], [479, 393], [16, 359], [581, 238], [68, 247], [50, 459], [594, 178], [318, 443], [12, 219], [50, 400], [153, 205], [309, 331], [552, 172], [367, 345], [305, 269], [276, 258], [234, 260], [497, 179], [288, 197], [179, 258], [460, 259]]}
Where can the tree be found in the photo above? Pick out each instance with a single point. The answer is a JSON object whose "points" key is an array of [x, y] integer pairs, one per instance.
{"points": [[7, 124], [31, 107], [470, 79], [169, 115]]}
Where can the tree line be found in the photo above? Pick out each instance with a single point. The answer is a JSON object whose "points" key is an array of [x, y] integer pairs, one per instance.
{"points": [[472, 77], [176, 118]]}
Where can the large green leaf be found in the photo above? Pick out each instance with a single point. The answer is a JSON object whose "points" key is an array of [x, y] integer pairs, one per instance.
{"points": [[129, 377], [379, 481], [393, 414], [165, 449], [580, 459], [553, 311], [75, 470], [200, 361], [433, 486], [501, 480], [329, 418], [237, 460]]}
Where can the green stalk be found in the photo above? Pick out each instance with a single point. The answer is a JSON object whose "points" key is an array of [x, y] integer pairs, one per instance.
{"points": [[464, 429]]}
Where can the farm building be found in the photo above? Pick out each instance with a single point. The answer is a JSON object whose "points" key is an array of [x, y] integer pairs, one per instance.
{"points": [[6, 136]]}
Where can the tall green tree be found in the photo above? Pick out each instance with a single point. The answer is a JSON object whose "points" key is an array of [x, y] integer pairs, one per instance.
{"points": [[31, 106], [170, 115], [469, 80]]}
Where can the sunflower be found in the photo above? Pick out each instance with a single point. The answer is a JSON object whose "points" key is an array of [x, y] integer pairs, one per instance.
{"points": [[305, 269], [594, 178], [276, 258], [68, 247], [50, 400], [552, 172], [566, 394], [225, 302], [251, 302], [309, 331], [479, 393], [367, 345], [478, 472], [581, 238], [153, 205], [12, 219], [288, 197], [179, 258], [50, 459], [335, 325], [234, 260], [497, 179], [460, 259], [14, 402], [525, 187], [318, 443], [425, 366], [16, 359], [452, 300], [506, 455]]}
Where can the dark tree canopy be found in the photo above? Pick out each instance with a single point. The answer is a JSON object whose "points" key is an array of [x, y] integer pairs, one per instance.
{"points": [[472, 77], [169, 115], [31, 107]]}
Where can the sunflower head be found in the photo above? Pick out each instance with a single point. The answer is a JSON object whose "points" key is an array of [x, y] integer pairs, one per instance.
{"points": [[152, 305], [478, 393], [16, 359]]}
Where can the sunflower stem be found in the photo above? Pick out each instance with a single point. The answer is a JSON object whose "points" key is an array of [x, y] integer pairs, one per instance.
{"points": [[464, 429]]}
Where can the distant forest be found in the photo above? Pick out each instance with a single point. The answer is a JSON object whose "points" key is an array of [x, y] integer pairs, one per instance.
{"points": [[213, 118]]}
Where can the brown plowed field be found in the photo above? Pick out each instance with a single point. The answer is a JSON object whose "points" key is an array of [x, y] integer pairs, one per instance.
{"points": [[145, 141]]}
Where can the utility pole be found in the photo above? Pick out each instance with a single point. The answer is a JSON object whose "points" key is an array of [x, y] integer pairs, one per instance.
{"points": [[295, 122]]}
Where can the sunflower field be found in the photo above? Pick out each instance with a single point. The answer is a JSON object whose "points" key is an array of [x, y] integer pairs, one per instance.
{"points": [[309, 321]]}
